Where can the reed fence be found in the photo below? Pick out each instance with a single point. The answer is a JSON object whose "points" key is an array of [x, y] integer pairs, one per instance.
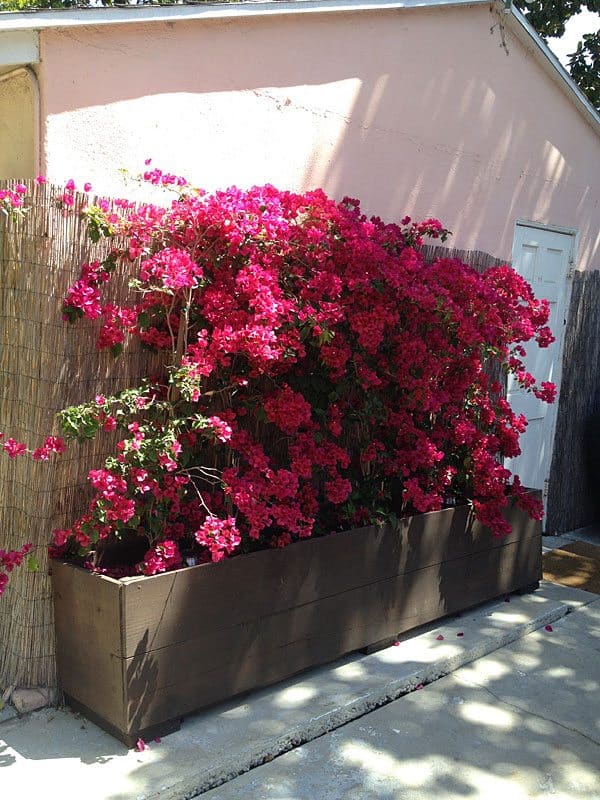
{"points": [[45, 365], [574, 499]]}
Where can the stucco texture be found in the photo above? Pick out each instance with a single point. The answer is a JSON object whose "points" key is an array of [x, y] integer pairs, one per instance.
{"points": [[414, 111], [18, 124]]}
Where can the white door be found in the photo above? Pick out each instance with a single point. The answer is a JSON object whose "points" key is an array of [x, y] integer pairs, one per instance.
{"points": [[544, 258]]}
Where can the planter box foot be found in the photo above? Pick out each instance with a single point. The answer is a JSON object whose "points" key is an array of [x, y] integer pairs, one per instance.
{"points": [[380, 645], [531, 587], [129, 739]]}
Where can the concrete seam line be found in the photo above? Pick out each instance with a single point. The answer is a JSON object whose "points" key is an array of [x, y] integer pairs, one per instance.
{"points": [[319, 726], [552, 721]]}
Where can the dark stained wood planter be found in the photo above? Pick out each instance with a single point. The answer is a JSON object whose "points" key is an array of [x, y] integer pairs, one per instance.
{"points": [[138, 653]]}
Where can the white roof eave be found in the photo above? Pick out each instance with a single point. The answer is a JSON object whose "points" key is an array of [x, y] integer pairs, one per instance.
{"points": [[120, 15]]}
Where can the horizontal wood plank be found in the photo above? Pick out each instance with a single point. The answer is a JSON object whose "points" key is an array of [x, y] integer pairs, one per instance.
{"points": [[272, 648], [196, 601]]}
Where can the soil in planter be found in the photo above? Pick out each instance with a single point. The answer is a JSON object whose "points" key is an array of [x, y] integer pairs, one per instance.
{"points": [[117, 558], [121, 557]]}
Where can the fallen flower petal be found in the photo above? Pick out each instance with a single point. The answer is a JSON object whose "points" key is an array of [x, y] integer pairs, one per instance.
{"points": [[460, 634], [418, 686], [157, 739], [439, 637], [549, 628], [141, 745], [396, 644]]}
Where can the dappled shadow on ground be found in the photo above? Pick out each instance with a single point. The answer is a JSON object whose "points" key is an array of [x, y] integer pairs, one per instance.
{"points": [[487, 729], [522, 722], [470, 735], [56, 734]]}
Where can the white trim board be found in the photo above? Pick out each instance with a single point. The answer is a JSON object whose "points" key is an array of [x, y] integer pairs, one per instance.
{"points": [[120, 15], [530, 223], [18, 47]]}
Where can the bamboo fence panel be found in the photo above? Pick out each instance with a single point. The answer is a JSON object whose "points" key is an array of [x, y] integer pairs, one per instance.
{"points": [[478, 259], [45, 365], [573, 497]]}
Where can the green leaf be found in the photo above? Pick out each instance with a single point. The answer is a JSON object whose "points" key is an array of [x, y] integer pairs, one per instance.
{"points": [[110, 262], [260, 414], [33, 564], [93, 231], [304, 333], [326, 336], [393, 520], [72, 314]]}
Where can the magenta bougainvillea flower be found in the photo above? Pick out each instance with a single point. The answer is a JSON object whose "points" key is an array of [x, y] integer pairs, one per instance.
{"points": [[313, 373], [9, 559]]}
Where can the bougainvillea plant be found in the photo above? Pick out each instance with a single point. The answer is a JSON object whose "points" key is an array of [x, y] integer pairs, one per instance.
{"points": [[9, 559], [319, 375]]}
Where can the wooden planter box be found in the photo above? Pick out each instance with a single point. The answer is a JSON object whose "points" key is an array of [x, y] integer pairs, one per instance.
{"points": [[136, 654]]}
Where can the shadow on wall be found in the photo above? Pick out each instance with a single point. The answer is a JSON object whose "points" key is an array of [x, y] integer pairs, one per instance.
{"points": [[386, 108], [18, 124]]}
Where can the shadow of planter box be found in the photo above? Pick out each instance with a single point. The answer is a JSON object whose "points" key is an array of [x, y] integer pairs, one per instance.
{"points": [[138, 653]]}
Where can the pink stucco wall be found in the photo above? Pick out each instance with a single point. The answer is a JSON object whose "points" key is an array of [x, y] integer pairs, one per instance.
{"points": [[413, 111]]}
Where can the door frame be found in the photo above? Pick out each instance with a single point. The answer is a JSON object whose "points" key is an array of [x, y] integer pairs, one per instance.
{"points": [[575, 235]]}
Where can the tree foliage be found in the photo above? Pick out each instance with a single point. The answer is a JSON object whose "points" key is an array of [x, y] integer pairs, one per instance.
{"points": [[584, 66], [548, 17]]}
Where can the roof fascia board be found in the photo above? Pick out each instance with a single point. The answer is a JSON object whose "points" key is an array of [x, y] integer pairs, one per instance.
{"points": [[19, 47], [121, 15], [550, 63]]}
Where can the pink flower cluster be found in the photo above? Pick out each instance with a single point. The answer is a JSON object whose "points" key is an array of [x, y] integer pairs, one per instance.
{"points": [[52, 444], [219, 536], [171, 268], [9, 559], [321, 374], [162, 558], [13, 198], [288, 410]]}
